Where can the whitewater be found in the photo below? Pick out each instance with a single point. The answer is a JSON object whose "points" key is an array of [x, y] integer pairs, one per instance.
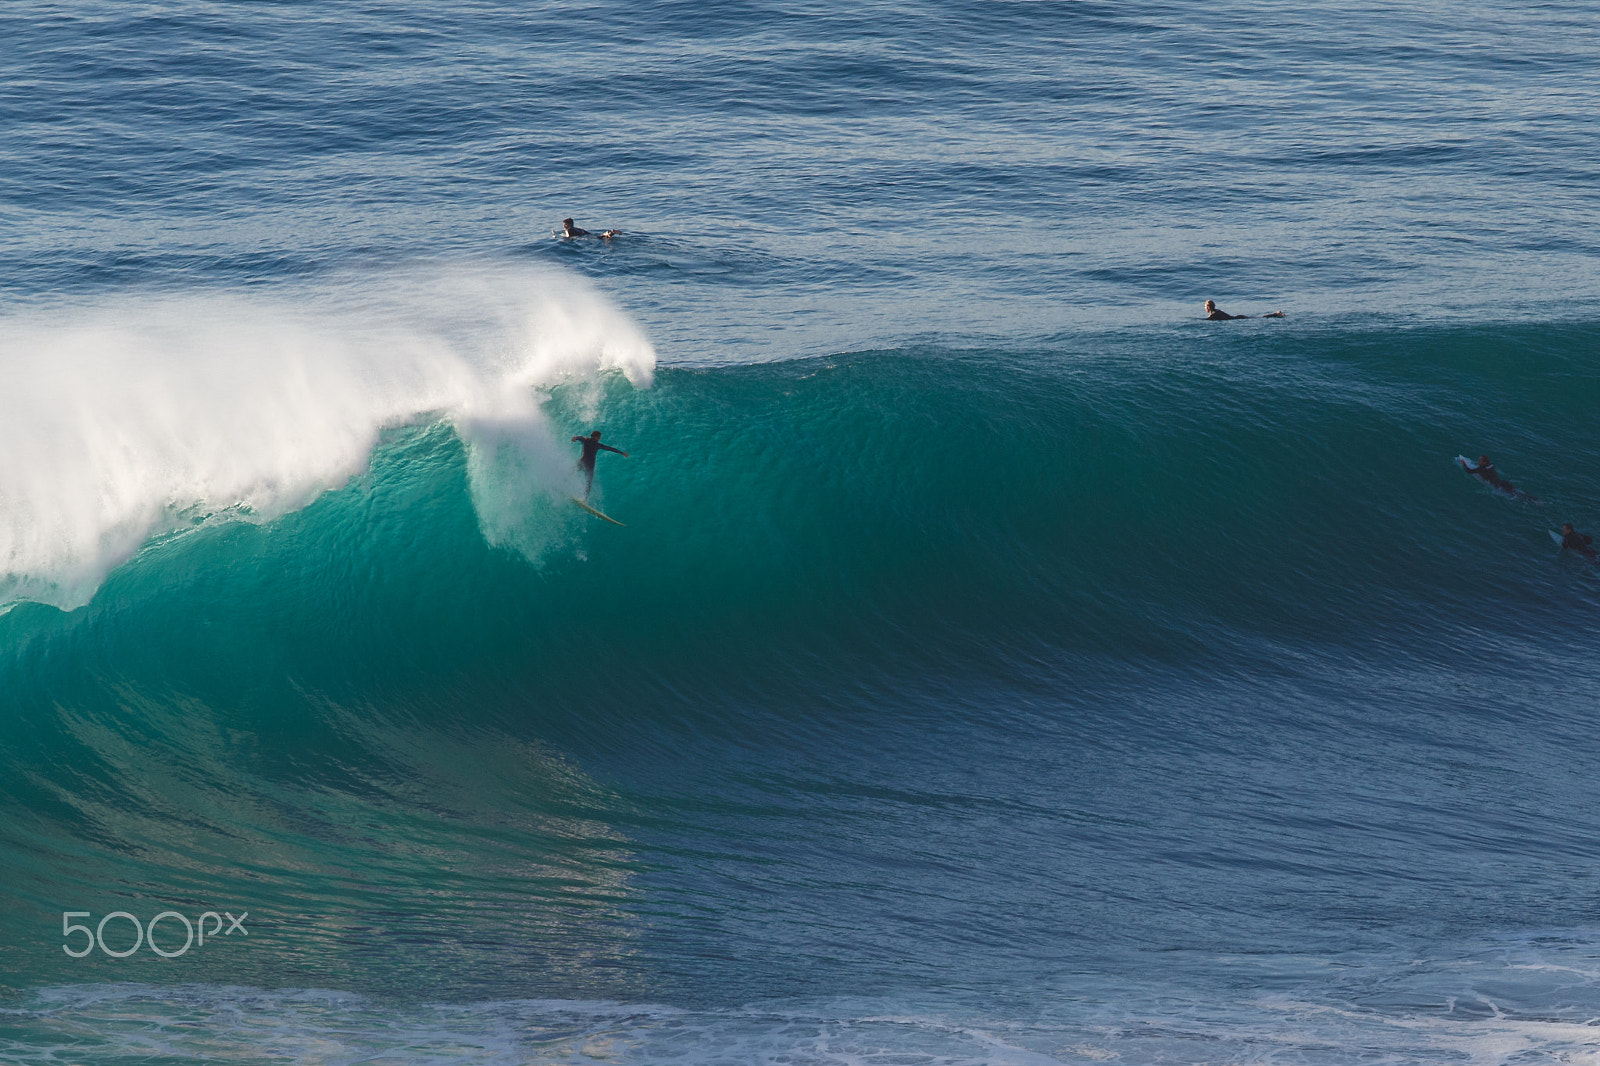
{"points": [[998, 665], [148, 415]]}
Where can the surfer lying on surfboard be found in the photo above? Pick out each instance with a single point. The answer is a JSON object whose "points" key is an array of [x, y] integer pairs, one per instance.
{"points": [[1217, 314], [1485, 471], [1581, 543], [591, 448], [569, 230]]}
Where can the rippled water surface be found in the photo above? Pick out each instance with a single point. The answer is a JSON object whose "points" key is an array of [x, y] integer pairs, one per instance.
{"points": [[996, 663]]}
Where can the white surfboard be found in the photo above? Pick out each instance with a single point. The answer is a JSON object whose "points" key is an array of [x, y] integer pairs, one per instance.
{"points": [[596, 512]]}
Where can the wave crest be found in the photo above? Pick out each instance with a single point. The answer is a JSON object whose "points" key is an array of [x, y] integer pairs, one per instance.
{"points": [[139, 417]]}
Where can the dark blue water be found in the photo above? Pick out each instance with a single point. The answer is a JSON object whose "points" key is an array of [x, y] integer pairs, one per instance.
{"points": [[996, 664]]}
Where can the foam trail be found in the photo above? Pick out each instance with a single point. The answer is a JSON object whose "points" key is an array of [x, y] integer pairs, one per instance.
{"points": [[135, 418]]}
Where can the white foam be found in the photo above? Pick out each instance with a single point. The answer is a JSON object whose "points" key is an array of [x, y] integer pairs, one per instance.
{"points": [[1116, 1022], [139, 416]]}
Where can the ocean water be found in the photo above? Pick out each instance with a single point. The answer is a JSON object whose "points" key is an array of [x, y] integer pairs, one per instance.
{"points": [[997, 664]]}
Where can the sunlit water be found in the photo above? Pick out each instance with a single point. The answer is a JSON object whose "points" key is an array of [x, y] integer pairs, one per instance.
{"points": [[998, 664]]}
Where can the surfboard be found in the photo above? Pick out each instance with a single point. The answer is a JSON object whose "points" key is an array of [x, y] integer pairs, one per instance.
{"points": [[1560, 543], [595, 512]]}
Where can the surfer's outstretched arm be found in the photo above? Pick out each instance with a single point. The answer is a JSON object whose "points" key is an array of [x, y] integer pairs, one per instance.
{"points": [[609, 448]]}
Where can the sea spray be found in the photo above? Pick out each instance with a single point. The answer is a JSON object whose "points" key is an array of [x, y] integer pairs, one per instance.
{"points": [[135, 417]]}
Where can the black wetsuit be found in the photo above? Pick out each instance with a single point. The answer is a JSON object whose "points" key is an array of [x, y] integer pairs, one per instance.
{"points": [[1219, 315], [1581, 543], [591, 448], [1488, 473]]}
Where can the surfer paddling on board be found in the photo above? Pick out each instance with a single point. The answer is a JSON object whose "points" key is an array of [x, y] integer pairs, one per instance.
{"points": [[1217, 314], [1581, 543], [591, 448], [1485, 471], [569, 230]]}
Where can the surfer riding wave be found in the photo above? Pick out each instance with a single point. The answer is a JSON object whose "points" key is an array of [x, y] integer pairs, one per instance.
{"points": [[591, 448]]}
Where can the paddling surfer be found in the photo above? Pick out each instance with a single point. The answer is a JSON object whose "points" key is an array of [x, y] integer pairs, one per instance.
{"points": [[1485, 471], [591, 448], [569, 230], [1581, 543], [1217, 314]]}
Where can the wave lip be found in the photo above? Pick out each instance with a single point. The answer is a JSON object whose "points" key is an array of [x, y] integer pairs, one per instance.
{"points": [[134, 418]]}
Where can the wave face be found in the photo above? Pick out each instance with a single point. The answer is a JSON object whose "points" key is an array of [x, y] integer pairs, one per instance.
{"points": [[1008, 669], [1183, 647]]}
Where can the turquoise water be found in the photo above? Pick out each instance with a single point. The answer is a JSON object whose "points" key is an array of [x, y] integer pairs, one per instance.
{"points": [[997, 663]]}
